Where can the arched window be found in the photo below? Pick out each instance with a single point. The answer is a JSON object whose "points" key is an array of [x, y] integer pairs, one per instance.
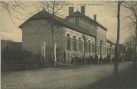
{"points": [[86, 45], [68, 42], [105, 49], [80, 44], [93, 46], [89, 46], [74, 43]]}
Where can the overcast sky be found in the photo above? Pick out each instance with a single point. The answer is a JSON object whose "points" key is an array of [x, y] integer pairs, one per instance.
{"points": [[105, 11]]}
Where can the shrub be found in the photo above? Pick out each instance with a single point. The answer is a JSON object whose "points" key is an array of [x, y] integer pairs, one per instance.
{"points": [[20, 59]]}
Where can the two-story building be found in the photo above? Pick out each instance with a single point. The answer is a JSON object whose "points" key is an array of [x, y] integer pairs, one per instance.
{"points": [[43, 30], [92, 26]]}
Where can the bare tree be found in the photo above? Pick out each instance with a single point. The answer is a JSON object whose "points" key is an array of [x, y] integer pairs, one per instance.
{"points": [[13, 8], [19, 10], [130, 45], [55, 8], [132, 6]]}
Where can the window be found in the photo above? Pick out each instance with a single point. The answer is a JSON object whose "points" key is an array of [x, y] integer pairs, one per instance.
{"points": [[104, 48], [74, 43], [99, 49], [80, 44], [93, 47], [68, 42], [108, 50], [89, 46], [86, 45]]}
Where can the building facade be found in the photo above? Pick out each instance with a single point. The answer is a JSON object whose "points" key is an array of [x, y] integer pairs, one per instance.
{"points": [[101, 43], [68, 40], [78, 45], [72, 41], [91, 25]]}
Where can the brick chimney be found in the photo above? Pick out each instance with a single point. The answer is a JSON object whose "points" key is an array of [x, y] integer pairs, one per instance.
{"points": [[71, 10], [83, 9], [95, 17]]}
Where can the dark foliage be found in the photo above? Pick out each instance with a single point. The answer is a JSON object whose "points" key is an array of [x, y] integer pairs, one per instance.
{"points": [[19, 59]]}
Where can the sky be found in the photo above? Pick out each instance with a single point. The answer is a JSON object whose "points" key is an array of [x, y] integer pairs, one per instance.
{"points": [[105, 11]]}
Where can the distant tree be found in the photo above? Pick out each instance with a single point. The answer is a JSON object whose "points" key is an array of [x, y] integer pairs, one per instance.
{"points": [[130, 46], [132, 6]]}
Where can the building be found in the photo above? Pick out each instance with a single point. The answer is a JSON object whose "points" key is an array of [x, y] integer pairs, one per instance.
{"points": [[70, 40], [110, 47], [39, 31], [92, 26]]}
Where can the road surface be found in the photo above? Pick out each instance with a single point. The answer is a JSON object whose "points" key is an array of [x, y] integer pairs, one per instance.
{"points": [[58, 78]]}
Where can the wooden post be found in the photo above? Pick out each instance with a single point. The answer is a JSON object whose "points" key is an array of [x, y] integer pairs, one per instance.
{"points": [[135, 53], [55, 52], [44, 50]]}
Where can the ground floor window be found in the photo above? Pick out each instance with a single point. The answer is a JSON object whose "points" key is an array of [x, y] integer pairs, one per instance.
{"points": [[80, 44], [93, 47], [74, 43], [68, 42], [89, 46]]}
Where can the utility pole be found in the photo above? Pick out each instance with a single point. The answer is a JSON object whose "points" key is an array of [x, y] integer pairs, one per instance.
{"points": [[135, 53], [117, 41]]}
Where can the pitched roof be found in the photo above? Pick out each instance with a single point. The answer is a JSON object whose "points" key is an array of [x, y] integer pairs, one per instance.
{"points": [[45, 15], [79, 14]]}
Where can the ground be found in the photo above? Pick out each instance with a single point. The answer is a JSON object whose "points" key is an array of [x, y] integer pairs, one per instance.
{"points": [[74, 77]]}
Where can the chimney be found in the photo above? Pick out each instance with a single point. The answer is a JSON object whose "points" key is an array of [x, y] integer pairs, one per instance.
{"points": [[83, 9], [71, 10], [95, 17]]}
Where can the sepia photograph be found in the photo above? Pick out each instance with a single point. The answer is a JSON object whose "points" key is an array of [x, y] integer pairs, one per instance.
{"points": [[69, 44]]}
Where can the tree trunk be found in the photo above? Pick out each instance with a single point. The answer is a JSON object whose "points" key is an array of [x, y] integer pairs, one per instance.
{"points": [[117, 41], [52, 28], [53, 41]]}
